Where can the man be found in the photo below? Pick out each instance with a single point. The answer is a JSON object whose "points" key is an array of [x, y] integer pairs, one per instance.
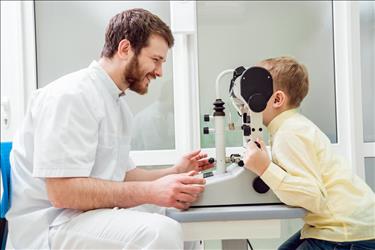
{"points": [[75, 186]]}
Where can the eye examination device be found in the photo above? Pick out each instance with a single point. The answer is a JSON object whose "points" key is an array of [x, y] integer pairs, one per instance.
{"points": [[231, 183]]}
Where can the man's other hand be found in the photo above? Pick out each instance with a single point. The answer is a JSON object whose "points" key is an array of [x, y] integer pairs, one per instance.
{"points": [[195, 160], [176, 190]]}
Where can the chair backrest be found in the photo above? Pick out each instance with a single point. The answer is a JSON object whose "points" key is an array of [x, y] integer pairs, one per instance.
{"points": [[5, 176], [7, 188]]}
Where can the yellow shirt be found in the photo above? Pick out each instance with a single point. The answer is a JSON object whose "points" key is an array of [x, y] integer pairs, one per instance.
{"points": [[305, 172]]}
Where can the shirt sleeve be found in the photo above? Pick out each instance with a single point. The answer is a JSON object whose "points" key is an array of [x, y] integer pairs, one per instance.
{"points": [[66, 136], [131, 165], [294, 174]]}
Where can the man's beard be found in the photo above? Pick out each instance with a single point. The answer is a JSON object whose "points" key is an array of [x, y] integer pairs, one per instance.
{"points": [[134, 77]]}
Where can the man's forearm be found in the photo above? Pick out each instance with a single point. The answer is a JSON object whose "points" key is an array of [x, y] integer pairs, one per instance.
{"points": [[139, 174], [90, 193]]}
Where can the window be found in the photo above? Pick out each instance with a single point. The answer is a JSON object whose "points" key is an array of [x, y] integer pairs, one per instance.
{"points": [[367, 55], [240, 33], [61, 49], [367, 31], [370, 171]]}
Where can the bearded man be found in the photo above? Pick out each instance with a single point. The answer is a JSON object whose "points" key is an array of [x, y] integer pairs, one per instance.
{"points": [[74, 184]]}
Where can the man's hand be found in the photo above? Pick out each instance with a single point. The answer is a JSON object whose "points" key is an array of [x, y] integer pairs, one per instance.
{"points": [[256, 159], [193, 161], [176, 190]]}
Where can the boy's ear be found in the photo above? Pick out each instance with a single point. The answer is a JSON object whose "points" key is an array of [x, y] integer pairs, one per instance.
{"points": [[124, 49], [280, 99]]}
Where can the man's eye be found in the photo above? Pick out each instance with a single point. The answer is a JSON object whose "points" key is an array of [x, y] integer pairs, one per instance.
{"points": [[155, 60]]}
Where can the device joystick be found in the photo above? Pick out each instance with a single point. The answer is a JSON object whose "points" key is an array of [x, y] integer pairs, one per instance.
{"points": [[259, 186]]}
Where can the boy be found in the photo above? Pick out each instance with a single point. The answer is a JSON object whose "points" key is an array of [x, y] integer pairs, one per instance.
{"points": [[305, 172]]}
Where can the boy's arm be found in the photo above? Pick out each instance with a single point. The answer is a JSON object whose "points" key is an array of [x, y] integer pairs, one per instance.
{"points": [[294, 173]]}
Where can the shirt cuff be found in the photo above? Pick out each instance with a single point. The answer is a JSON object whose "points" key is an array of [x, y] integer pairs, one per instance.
{"points": [[273, 176], [131, 164]]}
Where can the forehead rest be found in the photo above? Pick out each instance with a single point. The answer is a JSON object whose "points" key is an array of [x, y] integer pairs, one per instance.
{"points": [[256, 87]]}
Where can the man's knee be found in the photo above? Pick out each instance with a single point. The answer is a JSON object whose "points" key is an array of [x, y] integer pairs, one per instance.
{"points": [[163, 233], [126, 229]]}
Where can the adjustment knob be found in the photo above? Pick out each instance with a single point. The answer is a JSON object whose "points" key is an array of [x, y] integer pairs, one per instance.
{"points": [[206, 130], [219, 107], [259, 186], [238, 71], [246, 130], [206, 118], [257, 102], [240, 163], [246, 118]]}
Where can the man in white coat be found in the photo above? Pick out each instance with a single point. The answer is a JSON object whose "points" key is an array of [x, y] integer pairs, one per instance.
{"points": [[74, 184]]}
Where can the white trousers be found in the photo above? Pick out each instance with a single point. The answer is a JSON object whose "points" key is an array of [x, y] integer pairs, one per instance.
{"points": [[118, 229]]}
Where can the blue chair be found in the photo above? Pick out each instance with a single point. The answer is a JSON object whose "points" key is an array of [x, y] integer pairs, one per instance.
{"points": [[5, 199]]}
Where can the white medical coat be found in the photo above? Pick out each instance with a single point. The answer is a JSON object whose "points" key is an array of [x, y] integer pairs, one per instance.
{"points": [[77, 126]]}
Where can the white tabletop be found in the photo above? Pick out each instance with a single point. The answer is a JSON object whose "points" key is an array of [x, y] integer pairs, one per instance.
{"points": [[230, 213]]}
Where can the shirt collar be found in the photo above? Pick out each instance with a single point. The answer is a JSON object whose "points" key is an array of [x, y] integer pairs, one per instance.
{"points": [[276, 122], [107, 81]]}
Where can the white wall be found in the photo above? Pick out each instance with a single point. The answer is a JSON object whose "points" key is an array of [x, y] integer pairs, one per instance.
{"points": [[11, 68], [18, 76]]}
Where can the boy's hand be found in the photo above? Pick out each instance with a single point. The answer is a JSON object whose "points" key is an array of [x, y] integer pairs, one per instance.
{"points": [[256, 159]]}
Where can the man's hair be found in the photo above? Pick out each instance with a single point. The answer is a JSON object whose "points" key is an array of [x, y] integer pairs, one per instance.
{"points": [[135, 25], [289, 76]]}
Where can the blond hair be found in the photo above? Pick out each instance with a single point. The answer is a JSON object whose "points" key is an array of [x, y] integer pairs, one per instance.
{"points": [[289, 76]]}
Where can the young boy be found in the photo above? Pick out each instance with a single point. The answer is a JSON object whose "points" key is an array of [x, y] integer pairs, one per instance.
{"points": [[305, 172]]}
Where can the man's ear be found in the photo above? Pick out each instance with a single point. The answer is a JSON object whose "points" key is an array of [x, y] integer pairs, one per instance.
{"points": [[280, 99], [124, 49]]}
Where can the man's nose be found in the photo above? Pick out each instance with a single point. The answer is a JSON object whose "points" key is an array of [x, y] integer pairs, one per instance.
{"points": [[159, 71]]}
